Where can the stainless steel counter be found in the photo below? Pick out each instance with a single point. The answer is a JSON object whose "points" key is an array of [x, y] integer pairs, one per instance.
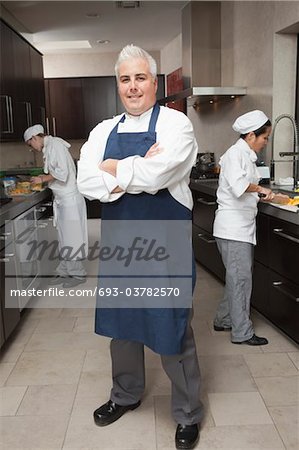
{"points": [[20, 204], [210, 187]]}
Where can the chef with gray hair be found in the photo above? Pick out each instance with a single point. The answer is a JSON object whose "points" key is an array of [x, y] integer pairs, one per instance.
{"points": [[69, 205]]}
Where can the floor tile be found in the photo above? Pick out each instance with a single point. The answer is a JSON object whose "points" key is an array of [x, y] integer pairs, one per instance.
{"points": [[270, 364], [40, 313], [63, 340], [286, 419], [295, 358], [242, 408], [279, 343], [11, 352], [93, 390], [84, 324], [134, 431], [42, 368], [226, 374], [246, 437], [33, 433], [78, 312], [10, 399], [279, 391], [5, 369], [48, 400], [48, 325], [98, 359]]}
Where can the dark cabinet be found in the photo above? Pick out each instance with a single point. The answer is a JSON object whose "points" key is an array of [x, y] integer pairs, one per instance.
{"points": [[8, 85], [64, 106], [37, 90], [204, 243], [10, 313], [275, 275], [74, 106], [99, 100], [22, 89]]}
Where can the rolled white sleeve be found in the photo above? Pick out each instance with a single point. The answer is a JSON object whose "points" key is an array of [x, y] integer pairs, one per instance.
{"points": [[92, 182], [235, 174]]}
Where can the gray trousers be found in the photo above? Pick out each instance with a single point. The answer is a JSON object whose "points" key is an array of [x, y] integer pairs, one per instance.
{"points": [[234, 309], [128, 373], [72, 268]]}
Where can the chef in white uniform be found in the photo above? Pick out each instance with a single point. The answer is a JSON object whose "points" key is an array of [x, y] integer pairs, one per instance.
{"points": [[69, 205], [235, 226]]}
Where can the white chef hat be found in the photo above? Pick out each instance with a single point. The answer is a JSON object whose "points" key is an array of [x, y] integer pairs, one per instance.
{"points": [[33, 131], [250, 121]]}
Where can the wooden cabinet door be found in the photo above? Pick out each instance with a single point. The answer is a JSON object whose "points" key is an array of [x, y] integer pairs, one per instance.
{"points": [[23, 113], [99, 100], [7, 86], [37, 90], [65, 108]]}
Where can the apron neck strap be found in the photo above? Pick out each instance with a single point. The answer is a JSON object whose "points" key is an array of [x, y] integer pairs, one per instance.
{"points": [[154, 118]]}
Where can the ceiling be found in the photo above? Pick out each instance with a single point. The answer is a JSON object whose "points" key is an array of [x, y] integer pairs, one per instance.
{"points": [[151, 26]]}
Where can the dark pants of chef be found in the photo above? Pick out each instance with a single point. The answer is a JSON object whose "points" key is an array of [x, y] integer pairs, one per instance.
{"points": [[128, 373]]}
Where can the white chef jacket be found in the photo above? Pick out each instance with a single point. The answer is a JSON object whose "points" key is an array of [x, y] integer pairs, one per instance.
{"points": [[59, 163], [237, 209], [135, 174], [69, 205]]}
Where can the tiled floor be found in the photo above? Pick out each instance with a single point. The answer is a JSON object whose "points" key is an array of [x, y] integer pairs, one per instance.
{"points": [[56, 371]]}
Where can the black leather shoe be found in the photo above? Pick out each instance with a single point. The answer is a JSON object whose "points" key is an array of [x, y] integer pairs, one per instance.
{"points": [[58, 279], [254, 340], [110, 412], [216, 328], [186, 436]]}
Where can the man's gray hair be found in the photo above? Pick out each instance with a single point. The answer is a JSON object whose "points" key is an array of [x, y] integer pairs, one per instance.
{"points": [[132, 51]]}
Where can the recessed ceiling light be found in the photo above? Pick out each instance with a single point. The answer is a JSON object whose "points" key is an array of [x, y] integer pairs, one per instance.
{"points": [[92, 15], [103, 41]]}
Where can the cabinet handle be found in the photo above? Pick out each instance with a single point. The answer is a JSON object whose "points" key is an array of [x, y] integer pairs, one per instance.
{"points": [[206, 239], [54, 126], [48, 204], [205, 202], [280, 232], [8, 110], [4, 259], [47, 125], [28, 113], [278, 285], [42, 225], [9, 255]]}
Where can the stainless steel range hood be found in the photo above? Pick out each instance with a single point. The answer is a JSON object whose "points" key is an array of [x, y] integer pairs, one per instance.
{"points": [[201, 56]]}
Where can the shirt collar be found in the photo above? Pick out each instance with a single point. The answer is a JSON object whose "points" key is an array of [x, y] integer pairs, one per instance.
{"points": [[251, 153], [141, 117]]}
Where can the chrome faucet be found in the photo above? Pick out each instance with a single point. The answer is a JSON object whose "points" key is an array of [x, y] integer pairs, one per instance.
{"points": [[293, 154]]}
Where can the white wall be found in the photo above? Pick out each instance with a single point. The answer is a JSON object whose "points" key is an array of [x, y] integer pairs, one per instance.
{"points": [[83, 65], [254, 56], [171, 55]]}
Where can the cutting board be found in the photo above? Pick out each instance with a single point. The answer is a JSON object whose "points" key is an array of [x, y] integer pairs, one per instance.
{"points": [[286, 207]]}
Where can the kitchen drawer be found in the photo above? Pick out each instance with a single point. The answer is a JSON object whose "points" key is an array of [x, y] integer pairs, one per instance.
{"points": [[261, 250], [284, 304], [284, 249], [204, 210], [206, 252], [260, 294]]}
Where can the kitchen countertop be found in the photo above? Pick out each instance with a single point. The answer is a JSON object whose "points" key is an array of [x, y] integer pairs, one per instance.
{"points": [[210, 187], [20, 204]]}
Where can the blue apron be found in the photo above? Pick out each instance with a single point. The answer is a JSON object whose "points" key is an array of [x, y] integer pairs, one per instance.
{"points": [[161, 329]]}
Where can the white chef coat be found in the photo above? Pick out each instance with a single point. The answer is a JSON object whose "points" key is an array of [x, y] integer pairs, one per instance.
{"points": [[136, 174], [237, 209], [59, 163], [69, 205]]}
